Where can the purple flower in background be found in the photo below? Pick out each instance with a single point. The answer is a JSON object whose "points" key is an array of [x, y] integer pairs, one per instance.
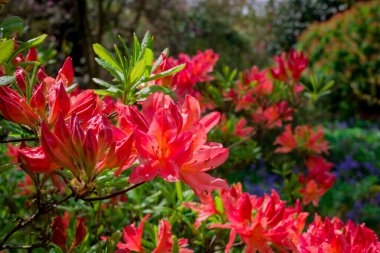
{"points": [[264, 180]]}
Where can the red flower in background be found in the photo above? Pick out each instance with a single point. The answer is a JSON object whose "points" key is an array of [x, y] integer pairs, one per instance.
{"points": [[197, 70], [259, 80], [304, 137], [319, 179], [280, 72], [59, 236], [287, 141], [80, 233], [205, 208], [296, 63], [132, 237]]}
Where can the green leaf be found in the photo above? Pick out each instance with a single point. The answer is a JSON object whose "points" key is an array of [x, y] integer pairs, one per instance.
{"points": [[328, 86], [29, 63], [5, 80], [149, 58], [168, 72], [105, 55], [137, 71], [143, 93], [30, 43], [6, 167], [6, 49], [219, 204], [179, 191], [71, 87], [147, 41], [112, 91], [10, 26], [124, 64], [101, 82], [175, 247], [125, 48], [114, 72], [136, 49], [159, 60]]}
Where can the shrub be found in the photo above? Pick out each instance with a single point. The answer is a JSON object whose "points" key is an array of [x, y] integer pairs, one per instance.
{"points": [[346, 49]]}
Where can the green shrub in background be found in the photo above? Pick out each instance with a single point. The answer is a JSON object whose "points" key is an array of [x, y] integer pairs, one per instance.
{"points": [[346, 48]]}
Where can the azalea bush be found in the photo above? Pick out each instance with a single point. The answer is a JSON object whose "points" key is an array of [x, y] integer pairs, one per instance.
{"points": [[130, 167]]}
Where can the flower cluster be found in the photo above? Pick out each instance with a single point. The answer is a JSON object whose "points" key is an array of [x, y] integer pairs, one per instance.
{"points": [[197, 70], [172, 142], [266, 224], [319, 178]]}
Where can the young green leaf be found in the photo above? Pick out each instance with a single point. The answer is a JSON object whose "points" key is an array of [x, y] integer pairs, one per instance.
{"points": [[165, 73], [112, 70], [136, 49], [6, 49], [137, 71], [105, 55], [112, 91], [149, 58], [101, 82], [30, 43], [143, 93], [147, 41]]}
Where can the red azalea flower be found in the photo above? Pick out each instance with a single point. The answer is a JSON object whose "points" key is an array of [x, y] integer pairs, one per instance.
{"points": [[174, 146], [35, 160], [132, 236], [15, 108], [205, 208], [286, 140], [59, 236], [335, 236], [80, 234], [262, 221], [90, 150]]}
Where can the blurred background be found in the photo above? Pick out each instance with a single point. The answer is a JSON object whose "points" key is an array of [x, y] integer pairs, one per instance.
{"points": [[339, 36], [243, 32]]}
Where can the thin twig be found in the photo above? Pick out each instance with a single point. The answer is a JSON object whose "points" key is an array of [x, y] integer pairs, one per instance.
{"points": [[25, 222], [19, 140], [233, 245], [241, 141], [115, 193], [31, 246]]}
